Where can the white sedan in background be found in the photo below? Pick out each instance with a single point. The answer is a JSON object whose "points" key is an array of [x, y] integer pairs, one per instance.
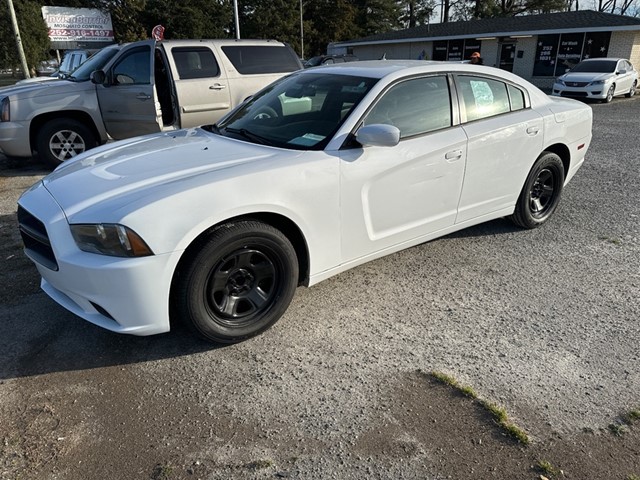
{"points": [[317, 173], [598, 79]]}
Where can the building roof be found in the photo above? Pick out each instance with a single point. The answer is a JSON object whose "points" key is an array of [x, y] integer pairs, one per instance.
{"points": [[580, 20]]}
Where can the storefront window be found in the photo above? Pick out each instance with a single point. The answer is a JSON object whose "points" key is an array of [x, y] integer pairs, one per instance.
{"points": [[557, 53]]}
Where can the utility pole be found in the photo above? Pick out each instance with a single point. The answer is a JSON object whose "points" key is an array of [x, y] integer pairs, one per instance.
{"points": [[16, 31], [236, 18], [301, 33]]}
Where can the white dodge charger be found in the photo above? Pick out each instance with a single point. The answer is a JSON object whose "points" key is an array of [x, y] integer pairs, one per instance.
{"points": [[321, 171]]}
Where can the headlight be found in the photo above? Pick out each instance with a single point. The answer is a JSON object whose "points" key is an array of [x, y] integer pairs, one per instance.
{"points": [[598, 82], [561, 82], [109, 239], [4, 109]]}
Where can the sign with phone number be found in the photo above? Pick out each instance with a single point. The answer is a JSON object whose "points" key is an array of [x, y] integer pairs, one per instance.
{"points": [[66, 33]]}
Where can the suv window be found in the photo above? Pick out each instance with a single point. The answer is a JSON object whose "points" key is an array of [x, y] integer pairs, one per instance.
{"points": [[134, 68], [195, 62], [414, 106], [483, 97], [248, 59]]}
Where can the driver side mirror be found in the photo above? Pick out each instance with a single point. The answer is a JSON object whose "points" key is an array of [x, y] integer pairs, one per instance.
{"points": [[98, 77], [378, 135], [622, 71]]}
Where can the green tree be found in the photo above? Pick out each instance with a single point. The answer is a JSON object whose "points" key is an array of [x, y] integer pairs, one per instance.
{"points": [[277, 19], [327, 21], [33, 32], [376, 16], [194, 19], [415, 12]]}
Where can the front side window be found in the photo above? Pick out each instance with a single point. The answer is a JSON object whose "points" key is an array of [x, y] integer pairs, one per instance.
{"points": [[416, 106], [198, 62], [133, 69], [483, 97]]}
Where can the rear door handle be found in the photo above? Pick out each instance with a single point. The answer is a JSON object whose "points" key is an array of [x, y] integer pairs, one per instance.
{"points": [[143, 96], [453, 155], [217, 86], [533, 131]]}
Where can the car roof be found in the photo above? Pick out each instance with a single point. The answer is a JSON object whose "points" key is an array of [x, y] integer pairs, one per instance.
{"points": [[613, 59]]}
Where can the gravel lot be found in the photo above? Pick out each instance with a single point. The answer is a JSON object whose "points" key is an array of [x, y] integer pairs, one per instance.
{"points": [[543, 323]]}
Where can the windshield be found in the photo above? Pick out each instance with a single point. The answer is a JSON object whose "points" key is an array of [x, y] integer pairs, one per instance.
{"points": [[596, 66], [95, 62], [300, 112]]}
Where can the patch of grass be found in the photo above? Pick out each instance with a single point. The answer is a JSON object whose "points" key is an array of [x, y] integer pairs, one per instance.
{"points": [[618, 429], [632, 477], [631, 416], [547, 469], [499, 413], [161, 472], [614, 240], [261, 464]]}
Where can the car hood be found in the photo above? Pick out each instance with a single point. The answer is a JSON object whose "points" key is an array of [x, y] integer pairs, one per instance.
{"points": [[28, 89], [585, 76], [129, 171]]}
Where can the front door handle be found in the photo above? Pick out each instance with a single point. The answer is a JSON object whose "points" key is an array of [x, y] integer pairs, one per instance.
{"points": [[453, 155], [143, 96], [217, 86], [533, 131]]}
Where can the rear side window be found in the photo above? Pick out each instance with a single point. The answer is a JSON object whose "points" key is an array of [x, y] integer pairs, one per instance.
{"points": [[517, 98], [195, 62], [253, 59], [483, 97]]}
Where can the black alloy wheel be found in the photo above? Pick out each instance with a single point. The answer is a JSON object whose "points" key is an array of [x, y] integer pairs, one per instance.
{"points": [[541, 192], [238, 282]]}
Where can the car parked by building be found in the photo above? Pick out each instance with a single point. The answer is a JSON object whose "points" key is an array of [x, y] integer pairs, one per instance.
{"points": [[319, 172], [598, 79], [135, 89], [329, 60]]}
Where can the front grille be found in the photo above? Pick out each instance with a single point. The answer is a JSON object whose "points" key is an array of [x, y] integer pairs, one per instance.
{"points": [[577, 84], [35, 239], [575, 94]]}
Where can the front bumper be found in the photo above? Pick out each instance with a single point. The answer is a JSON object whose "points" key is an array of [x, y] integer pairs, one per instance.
{"points": [[14, 139], [124, 295], [595, 92]]}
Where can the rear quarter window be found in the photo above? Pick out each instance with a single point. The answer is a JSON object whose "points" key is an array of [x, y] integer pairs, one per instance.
{"points": [[255, 59]]}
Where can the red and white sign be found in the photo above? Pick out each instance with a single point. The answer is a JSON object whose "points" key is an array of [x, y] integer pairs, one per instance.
{"points": [[157, 33], [73, 24]]}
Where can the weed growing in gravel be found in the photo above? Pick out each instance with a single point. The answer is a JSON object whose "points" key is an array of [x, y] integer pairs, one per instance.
{"points": [[632, 477], [632, 416], [547, 469], [618, 429], [261, 464], [499, 413], [614, 240], [161, 472]]}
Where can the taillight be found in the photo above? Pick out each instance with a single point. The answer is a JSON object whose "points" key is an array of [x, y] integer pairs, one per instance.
{"points": [[4, 109]]}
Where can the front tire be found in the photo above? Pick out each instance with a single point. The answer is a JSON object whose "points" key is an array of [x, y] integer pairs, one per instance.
{"points": [[238, 283], [541, 192], [61, 139], [610, 94]]}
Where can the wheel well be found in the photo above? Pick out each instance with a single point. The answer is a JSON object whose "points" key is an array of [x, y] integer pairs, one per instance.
{"points": [[563, 152], [40, 120], [280, 222]]}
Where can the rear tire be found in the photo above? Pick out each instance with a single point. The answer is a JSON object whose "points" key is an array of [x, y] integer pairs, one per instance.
{"points": [[61, 139], [238, 283], [541, 192], [632, 90]]}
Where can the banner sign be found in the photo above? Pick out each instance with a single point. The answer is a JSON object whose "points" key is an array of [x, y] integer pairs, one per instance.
{"points": [[78, 24]]}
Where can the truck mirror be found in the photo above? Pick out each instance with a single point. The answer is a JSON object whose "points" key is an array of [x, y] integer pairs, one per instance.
{"points": [[98, 77]]}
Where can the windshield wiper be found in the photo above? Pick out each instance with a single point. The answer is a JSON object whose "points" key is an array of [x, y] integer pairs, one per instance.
{"points": [[254, 137]]}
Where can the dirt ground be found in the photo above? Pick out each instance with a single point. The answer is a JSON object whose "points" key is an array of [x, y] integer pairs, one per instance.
{"points": [[77, 402]]}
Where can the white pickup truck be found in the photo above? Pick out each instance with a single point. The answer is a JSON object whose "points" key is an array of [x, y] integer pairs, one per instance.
{"points": [[134, 89]]}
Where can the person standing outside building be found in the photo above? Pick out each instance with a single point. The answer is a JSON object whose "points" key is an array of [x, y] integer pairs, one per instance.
{"points": [[476, 59]]}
